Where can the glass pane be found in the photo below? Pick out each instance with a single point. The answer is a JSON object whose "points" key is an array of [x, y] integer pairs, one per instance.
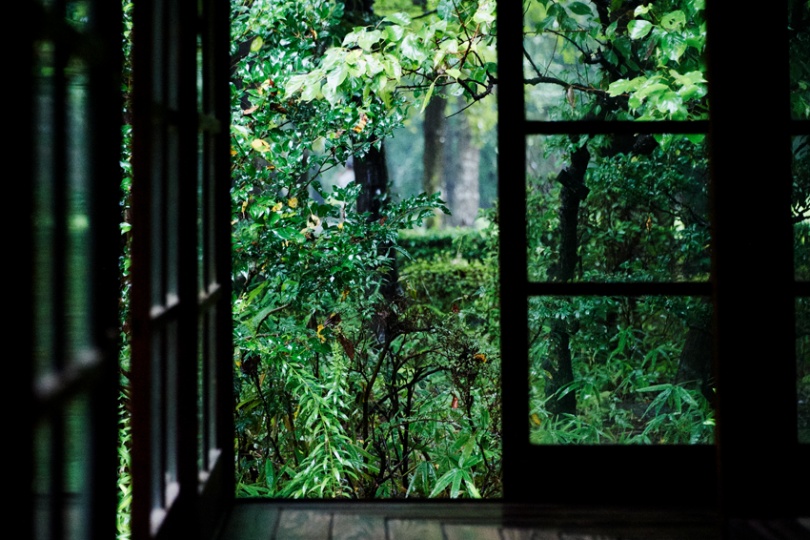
{"points": [[171, 412], [620, 208], [62, 467], [800, 207], [620, 370], [157, 452], [158, 227], [78, 302], [607, 63], [799, 32], [44, 225], [77, 454], [42, 486], [803, 368], [201, 392], [171, 215], [211, 390], [202, 215]]}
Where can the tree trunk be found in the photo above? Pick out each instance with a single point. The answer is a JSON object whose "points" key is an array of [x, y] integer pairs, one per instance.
{"points": [[434, 130], [695, 363], [371, 172], [461, 171], [558, 363]]}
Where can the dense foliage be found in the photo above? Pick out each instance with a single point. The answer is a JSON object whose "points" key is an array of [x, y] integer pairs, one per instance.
{"points": [[347, 386], [357, 376], [619, 208], [365, 372]]}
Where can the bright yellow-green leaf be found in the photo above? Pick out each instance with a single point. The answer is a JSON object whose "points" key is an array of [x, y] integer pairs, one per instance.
{"points": [[428, 95], [256, 44], [260, 145]]}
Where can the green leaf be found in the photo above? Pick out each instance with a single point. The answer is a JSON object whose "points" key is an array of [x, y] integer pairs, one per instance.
{"points": [[474, 493], [402, 19], [580, 8], [394, 32], [446, 9], [256, 44], [639, 28], [412, 48], [653, 388], [624, 46], [294, 84], [392, 67], [623, 86], [443, 482], [428, 95], [651, 88], [692, 77], [311, 91], [456, 487], [367, 40], [373, 64], [695, 138], [642, 10], [673, 45], [269, 475], [673, 20], [485, 13], [336, 77]]}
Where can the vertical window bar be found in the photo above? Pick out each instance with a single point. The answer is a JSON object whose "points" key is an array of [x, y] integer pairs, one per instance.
{"points": [[514, 334], [754, 311], [59, 275], [23, 326]]}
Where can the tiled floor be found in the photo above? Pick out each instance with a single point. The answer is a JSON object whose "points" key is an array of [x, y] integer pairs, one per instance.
{"points": [[293, 520]]}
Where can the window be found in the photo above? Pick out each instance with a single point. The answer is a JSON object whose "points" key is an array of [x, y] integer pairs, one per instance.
{"points": [[743, 363], [70, 329], [180, 303], [181, 326]]}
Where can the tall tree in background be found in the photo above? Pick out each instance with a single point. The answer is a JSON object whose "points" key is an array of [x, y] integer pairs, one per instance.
{"points": [[461, 168], [434, 132]]}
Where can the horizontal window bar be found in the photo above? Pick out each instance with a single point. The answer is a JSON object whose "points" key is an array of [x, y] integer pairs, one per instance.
{"points": [[210, 296], [55, 388], [799, 127], [801, 288]]}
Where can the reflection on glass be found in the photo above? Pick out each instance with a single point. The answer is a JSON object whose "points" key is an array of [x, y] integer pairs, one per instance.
{"points": [[803, 368], [799, 35], [78, 312], [618, 208], [42, 482], [610, 63], [61, 471], [77, 454], [800, 207], [44, 224], [620, 370]]}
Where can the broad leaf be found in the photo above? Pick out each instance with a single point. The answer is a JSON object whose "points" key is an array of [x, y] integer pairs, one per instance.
{"points": [[639, 28]]}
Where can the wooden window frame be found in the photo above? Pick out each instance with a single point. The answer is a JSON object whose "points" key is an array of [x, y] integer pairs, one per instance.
{"points": [[742, 475], [66, 362], [182, 420]]}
